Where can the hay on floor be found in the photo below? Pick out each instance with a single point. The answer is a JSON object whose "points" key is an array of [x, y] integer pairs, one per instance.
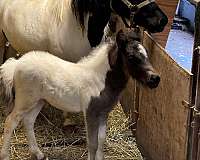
{"points": [[61, 144]]}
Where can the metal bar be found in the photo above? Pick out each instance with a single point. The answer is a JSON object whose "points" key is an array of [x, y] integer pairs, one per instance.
{"points": [[197, 110], [196, 115], [195, 93], [195, 55], [198, 151], [195, 123]]}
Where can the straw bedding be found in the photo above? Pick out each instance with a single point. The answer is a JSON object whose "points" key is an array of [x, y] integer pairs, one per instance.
{"points": [[60, 143]]}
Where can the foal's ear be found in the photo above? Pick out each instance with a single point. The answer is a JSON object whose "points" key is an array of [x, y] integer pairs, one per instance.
{"points": [[121, 39]]}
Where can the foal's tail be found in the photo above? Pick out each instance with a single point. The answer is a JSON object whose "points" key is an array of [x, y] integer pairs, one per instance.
{"points": [[7, 71]]}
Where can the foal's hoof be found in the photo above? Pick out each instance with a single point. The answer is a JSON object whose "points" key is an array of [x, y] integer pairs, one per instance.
{"points": [[34, 157]]}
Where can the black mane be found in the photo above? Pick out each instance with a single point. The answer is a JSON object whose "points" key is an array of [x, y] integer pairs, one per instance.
{"points": [[99, 16], [81, 7], [150, 17]]}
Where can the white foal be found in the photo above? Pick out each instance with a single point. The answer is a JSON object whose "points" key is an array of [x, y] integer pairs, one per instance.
{"points": [[92, 86]]}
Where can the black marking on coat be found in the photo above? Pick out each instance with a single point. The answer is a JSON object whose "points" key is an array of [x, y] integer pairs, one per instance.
{"points": [[115, 82]]}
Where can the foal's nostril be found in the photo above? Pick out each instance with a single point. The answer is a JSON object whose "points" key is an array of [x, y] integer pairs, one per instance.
{"points": [[153, 81]]}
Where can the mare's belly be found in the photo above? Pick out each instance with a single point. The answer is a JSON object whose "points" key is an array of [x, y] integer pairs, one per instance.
{"points": [[30, 28]]}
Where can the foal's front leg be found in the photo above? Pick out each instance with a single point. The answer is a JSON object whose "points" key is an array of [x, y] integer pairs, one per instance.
{"points": [[96, 132], [92, 134], [101, 136]]}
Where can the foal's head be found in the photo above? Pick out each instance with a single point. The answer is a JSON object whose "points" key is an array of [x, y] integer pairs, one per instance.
{"points": [[135, 58]]}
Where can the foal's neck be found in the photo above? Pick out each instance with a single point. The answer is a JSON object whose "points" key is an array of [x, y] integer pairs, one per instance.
{"points": [[117, 78], [101, 61], [98, 59]]}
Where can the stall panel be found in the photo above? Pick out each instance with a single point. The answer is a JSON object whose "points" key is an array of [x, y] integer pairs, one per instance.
{"points": [[162, 129]]}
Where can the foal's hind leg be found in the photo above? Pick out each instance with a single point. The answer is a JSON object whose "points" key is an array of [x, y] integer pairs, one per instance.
{"points": [[21, 107], [29, 120], [10, 124]]}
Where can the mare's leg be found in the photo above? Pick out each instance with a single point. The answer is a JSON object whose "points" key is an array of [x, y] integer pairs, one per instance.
{"points": [[6, 50], [3, 47], [29, 120]]}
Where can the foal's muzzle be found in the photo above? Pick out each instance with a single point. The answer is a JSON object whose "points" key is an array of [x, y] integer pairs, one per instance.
{"points": [[153, 81]]}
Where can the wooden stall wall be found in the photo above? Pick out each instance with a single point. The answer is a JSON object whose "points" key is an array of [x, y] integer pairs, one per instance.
{"points": [[162, 129], [169, 7], [129, 99]]}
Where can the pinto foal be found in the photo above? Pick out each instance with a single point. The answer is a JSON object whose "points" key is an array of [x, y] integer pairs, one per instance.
{"points": [[92, 86]]}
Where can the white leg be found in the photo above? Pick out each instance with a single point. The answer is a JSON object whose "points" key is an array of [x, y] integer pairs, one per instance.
{"points": [[29, 120], [21, 107], [10, 124]]}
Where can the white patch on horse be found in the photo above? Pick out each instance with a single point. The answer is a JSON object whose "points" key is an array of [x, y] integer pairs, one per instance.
{"points": [[48, 25], [142, 50]]}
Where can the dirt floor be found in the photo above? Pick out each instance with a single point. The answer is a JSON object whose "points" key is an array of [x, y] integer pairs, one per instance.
{"points": [[59, 143]]}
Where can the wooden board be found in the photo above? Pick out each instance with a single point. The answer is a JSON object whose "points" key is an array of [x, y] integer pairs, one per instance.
{"points": [[169, 7], [162, 130]]}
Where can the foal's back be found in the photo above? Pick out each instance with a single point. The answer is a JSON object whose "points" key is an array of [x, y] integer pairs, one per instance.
{"points": [[41, 75]]}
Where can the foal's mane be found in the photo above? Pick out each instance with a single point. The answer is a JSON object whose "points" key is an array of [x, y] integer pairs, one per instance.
{"points": [[99, 56]]}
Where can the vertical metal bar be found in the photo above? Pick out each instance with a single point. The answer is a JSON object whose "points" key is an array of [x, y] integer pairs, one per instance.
{"points": [[198, 150], [193, 132], [196, 115], [195, 56], [195, 128], [197, 109]]}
